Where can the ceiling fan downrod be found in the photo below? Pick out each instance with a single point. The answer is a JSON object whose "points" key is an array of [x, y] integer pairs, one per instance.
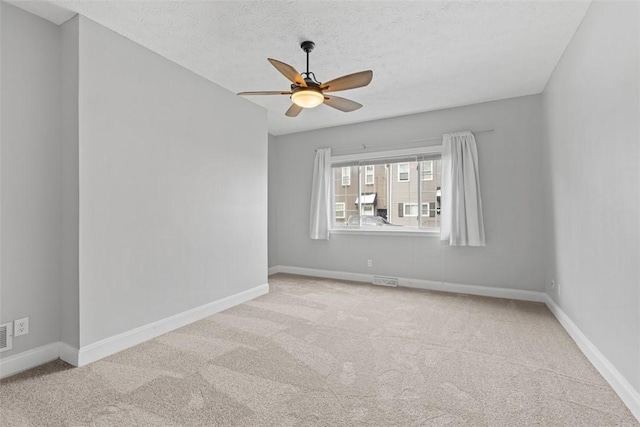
{"points": [[308, 46]]}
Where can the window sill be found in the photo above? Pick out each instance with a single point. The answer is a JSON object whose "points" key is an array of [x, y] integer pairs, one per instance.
{"points": [[375, 231]]}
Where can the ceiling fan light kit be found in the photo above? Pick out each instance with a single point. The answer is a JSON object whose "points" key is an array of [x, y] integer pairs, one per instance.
{"points": [[307, 98], [307, 92]]}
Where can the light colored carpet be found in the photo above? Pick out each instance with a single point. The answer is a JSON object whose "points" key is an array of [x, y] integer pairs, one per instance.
{"points": [[316, 352]]}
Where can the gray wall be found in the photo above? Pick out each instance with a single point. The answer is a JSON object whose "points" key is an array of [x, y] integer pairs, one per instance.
{"points": [[131, 188], [592, 153], [173, 189], [512, 192], [69, 293], [272, 209], [31, 186]]}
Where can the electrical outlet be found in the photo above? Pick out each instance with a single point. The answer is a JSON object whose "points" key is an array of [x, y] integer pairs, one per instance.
{"points": [[21, 327], [369, 263]]}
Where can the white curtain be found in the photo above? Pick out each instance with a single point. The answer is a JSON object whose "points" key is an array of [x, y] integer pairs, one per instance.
{"points": [[461, 204], [320, 217]]}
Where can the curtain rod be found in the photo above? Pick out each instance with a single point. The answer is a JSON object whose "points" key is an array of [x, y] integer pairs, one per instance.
{"points": [[431, 138]]}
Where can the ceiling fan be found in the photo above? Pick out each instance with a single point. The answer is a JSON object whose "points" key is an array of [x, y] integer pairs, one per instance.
{"points": [[307, 92]]}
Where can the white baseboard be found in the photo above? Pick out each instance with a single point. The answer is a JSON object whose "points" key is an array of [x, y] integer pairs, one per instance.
{"points": [[485, 291], [106, 347], [629, 395], [418, 283], [274, 270], [28, 359], [68, 353]]}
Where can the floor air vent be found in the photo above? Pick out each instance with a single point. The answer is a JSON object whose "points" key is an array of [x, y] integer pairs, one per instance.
{"points": [[385, 281], [6, 336]]}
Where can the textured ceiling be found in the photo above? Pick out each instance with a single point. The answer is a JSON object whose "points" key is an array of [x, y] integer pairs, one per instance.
{"points": [[424, 55]]}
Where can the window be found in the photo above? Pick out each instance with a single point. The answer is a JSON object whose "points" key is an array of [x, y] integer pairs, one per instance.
{"points": [[346, 176], [410, 209], [384, 198], [426, 170], [369, 177], [403, 172], [367, 210], [429, 210]]}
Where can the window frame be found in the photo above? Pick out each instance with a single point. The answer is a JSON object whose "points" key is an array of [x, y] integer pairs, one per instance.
{"points": [[347, 176], [360, 160], [408, 172], [344, 210], [367, 174], [409, 215], [422, 171], [365, 207], [430, 210]]}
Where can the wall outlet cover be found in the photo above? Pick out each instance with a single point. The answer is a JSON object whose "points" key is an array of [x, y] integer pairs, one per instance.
{"points": [[21, 327]]}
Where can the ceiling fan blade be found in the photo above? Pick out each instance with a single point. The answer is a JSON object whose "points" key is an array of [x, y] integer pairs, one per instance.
{"points": [[288, 71], [268, 92], [341, 104], [350, 81], [294, 110]]}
